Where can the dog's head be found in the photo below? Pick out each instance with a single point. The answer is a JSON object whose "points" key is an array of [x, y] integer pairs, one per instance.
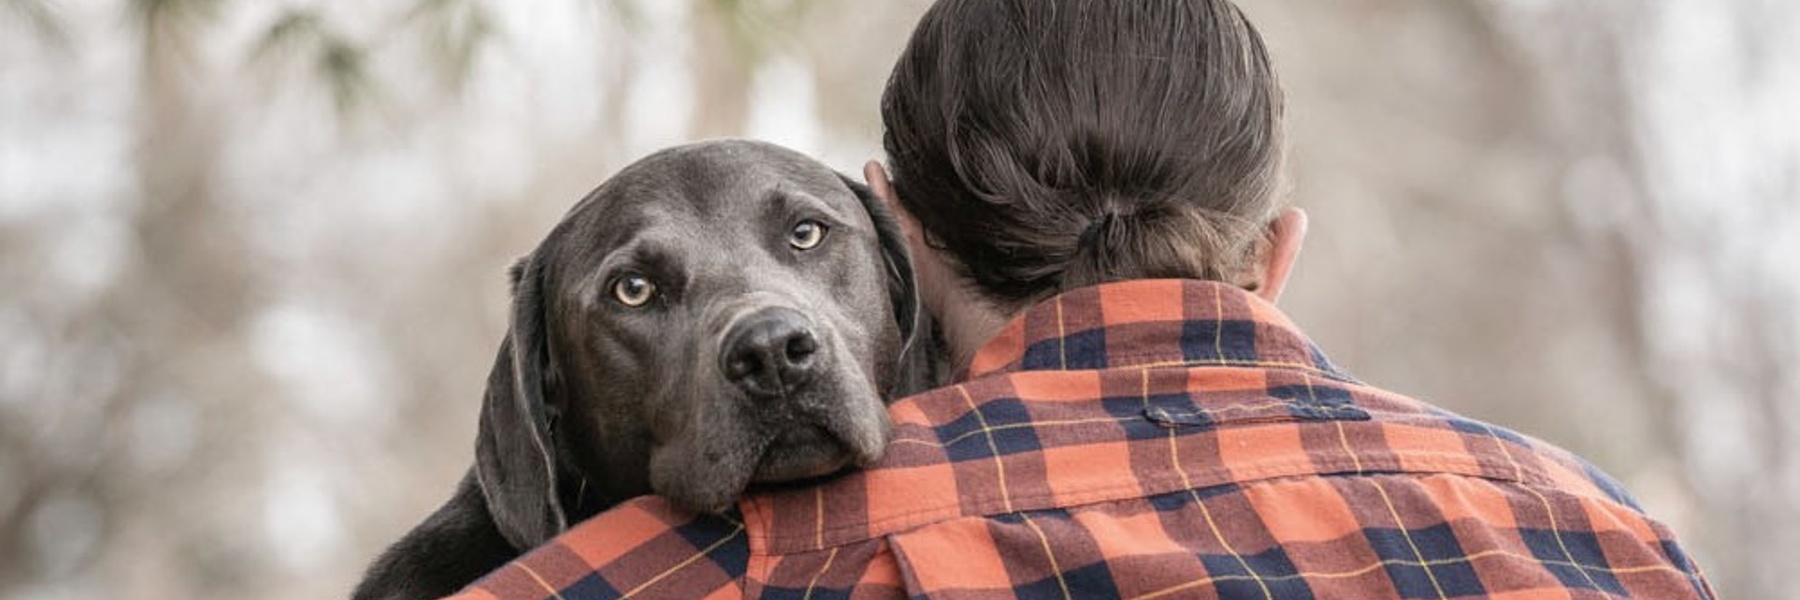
{"points": [[714, 315]]}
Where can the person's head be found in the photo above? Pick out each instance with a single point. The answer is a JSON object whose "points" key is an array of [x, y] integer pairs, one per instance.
{"points": [[1047, 145]]}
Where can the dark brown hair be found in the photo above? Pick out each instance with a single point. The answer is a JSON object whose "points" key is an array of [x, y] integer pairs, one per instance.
{"points": [[1055, 144]]}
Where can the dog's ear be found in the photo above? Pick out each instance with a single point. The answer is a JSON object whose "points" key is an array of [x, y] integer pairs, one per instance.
{"points": [[515, 452], [903, 291]]}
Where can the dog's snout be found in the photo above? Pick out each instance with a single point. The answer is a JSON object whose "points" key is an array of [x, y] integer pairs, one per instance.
{"points": [[770, 352]]}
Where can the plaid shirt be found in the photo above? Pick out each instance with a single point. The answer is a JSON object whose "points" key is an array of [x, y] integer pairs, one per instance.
{"points": [[1147, 439]]}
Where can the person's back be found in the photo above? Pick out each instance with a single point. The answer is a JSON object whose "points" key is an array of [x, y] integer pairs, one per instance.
{"points": [[1092, 192]]}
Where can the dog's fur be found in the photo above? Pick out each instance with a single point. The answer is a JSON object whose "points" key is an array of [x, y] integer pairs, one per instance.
{"points": [[591, 402]]}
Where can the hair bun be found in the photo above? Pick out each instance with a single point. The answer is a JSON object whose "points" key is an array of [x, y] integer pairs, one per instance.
{"points": [[1091, 234]]}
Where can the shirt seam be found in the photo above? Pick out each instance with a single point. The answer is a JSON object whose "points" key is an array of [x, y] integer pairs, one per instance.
{"points": [[1423, 464], [1149, 361]]}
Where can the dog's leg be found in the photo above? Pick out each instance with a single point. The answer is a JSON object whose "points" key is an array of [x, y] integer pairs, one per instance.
{"points": [[453, 547]]}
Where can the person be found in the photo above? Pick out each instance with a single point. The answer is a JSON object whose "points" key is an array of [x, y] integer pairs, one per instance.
{"points": [[1092, 190]]}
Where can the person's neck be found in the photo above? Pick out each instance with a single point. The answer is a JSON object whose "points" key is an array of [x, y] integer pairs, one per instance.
{"points": [[968, 323]]}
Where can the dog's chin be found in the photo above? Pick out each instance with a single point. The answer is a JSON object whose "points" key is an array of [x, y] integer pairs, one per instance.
{"points": [[706, 469], [801, 453]]}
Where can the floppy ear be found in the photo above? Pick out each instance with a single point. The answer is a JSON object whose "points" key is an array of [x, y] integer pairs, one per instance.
{"points": [[903, 292], [515, 452]]}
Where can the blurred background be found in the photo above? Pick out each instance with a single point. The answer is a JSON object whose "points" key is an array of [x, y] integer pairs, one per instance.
{"points": [[252, 254]]}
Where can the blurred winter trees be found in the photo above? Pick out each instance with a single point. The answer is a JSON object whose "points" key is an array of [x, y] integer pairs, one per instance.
{"points": [[252, 254]]}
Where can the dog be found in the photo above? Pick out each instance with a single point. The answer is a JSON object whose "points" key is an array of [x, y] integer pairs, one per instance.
{"points": [[716, 315]]}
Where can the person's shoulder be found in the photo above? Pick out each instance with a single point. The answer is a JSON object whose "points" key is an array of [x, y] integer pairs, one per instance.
{"points": [[644, 545], [1503, 452], [1541, 505]]}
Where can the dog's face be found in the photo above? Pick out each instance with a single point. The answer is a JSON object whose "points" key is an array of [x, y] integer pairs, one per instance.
{"points": [[714, 315]]}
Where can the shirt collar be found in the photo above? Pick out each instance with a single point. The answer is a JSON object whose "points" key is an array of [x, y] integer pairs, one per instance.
{"points": [[1150, 322], [1047, 373]]}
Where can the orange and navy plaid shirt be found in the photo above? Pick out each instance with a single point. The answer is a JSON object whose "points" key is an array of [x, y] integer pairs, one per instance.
{"points": [[1147, 439]]}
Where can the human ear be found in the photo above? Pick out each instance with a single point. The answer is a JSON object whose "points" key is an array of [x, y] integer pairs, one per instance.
{"points": [[877, 177], [1286, 234]]}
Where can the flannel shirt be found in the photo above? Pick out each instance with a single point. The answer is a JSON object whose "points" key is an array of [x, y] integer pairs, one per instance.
{"points": [[1143, 439]]}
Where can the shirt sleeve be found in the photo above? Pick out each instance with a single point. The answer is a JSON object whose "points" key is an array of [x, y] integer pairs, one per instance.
{"points": [[644, 548]]}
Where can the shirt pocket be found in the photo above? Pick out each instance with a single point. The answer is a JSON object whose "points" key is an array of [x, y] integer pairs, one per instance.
{"points": [[977, 557]]}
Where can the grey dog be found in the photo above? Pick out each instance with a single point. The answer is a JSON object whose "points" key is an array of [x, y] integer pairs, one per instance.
{"points": [[715, 315]]}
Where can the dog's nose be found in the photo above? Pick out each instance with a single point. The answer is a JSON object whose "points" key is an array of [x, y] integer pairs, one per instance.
{"points": [[770, 352]]}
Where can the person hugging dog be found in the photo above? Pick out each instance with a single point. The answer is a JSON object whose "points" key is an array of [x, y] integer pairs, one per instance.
{"points": [[1092, 193]]}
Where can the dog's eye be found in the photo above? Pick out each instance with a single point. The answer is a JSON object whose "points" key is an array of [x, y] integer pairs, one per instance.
{"points": [[634, 290], [807, 235]]}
